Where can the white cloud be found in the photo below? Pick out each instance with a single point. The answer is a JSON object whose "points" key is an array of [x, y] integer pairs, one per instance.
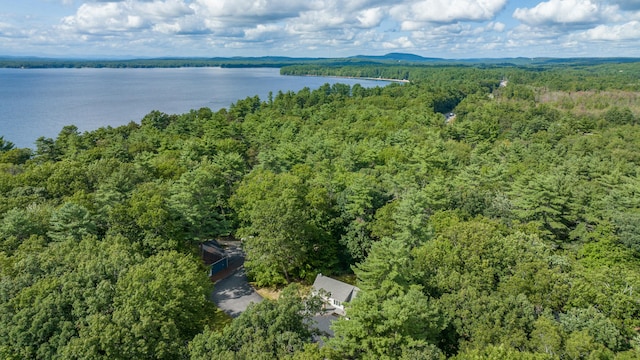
{"points": [[107, 17], [461, 40], [265, 32], [446, 34], [256, 10], [413, 14], [496, 26], [279, 24], [370, 18], [9, 31], [577, 28], [627, 31], [402, 42], [160, 10], [524, 32], [563, 12], [368, 38], [446, 28], [338, 16], [228, 18], [188, 25], [317, 20]]}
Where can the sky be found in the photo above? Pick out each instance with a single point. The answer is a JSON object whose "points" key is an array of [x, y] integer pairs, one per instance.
{"points": [[452, 29]]}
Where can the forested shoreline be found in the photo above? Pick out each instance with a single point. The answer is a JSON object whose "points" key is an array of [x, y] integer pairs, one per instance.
{"points": [[511, 230], [312, 64]]}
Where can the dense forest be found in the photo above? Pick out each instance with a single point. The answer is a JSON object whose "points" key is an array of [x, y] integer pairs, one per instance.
{"points": [[509, 229]]}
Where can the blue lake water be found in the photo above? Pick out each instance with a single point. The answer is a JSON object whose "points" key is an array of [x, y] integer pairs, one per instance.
{"points": [[39, 102]]}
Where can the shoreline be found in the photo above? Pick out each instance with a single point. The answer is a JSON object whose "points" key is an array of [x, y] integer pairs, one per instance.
{"points": [[403, 81]]}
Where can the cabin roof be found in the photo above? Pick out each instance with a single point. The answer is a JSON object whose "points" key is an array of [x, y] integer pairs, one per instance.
{"points": [[337, 289], [211, 252]]}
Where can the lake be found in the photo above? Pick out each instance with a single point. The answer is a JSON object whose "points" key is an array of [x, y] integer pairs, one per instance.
{"points": [[40, 102]]}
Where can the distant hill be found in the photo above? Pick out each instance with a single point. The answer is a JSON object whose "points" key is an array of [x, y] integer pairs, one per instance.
{"points": [[282, 61], [518, 61], [398, 57]]}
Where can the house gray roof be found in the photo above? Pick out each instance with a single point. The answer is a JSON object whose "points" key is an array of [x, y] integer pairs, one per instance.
{"points": [[337, 289]]}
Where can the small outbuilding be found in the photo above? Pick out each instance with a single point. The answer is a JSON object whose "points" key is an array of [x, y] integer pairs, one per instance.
{"points": [[334, 292], [214, 256]]}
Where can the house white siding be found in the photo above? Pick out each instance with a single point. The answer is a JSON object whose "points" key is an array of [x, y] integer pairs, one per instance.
{"points": [[334, 292]]}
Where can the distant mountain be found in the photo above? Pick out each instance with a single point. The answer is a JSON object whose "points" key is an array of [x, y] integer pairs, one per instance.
{"points": [[397, 57]]}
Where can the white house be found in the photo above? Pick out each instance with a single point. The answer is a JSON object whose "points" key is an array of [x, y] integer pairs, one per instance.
{"points": [[334, 292]]}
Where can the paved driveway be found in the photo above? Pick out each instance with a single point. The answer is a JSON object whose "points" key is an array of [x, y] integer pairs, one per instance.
{"points": [[233, 294], [322, 322]]}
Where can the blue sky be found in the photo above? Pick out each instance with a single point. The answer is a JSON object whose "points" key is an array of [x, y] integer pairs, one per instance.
{"points": [[326, 28]]}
